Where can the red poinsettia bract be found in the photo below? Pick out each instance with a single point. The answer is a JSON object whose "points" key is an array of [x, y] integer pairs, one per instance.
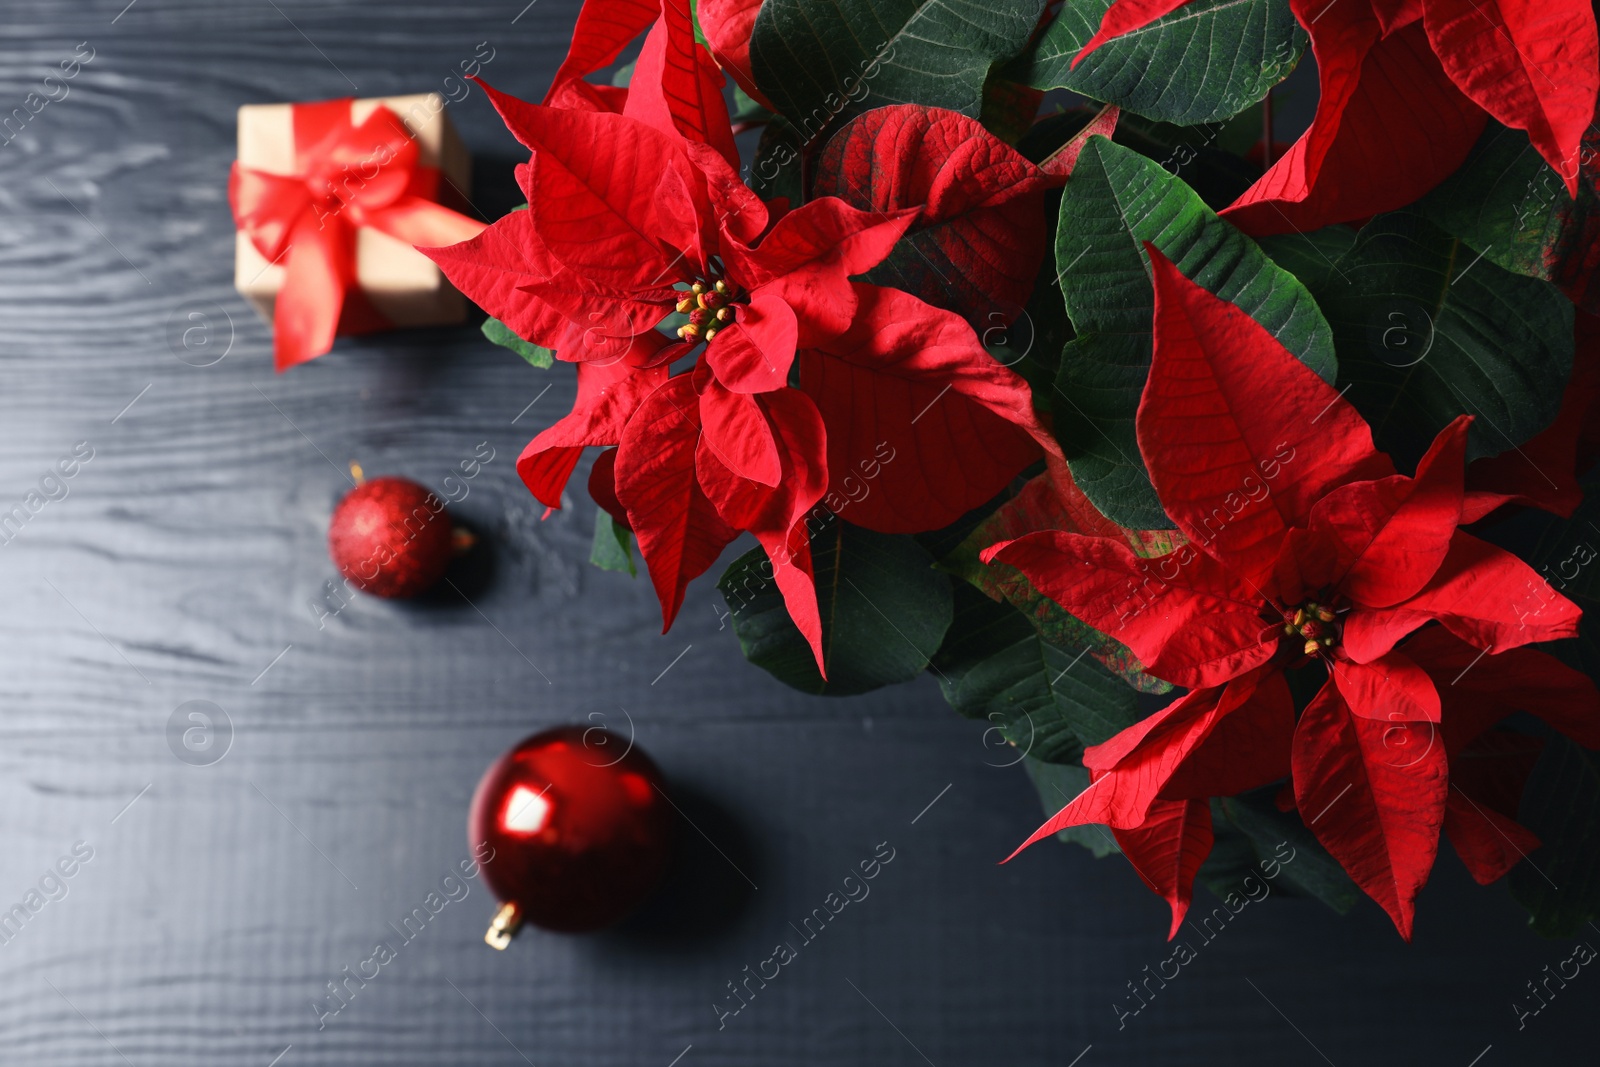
{"points": [[639, 213], [1406, 86], [727, 25], [1304, 548], [626, 224]]}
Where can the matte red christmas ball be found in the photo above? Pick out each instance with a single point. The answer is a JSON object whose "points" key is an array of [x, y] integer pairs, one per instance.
{"points": [[391, 537], [580, 830]]}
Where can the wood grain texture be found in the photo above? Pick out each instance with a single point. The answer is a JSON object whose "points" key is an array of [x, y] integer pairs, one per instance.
{"points": [[219, 904]]}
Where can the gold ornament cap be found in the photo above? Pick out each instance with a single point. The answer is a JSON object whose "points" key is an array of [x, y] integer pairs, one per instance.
{"points": [[504, 927]]}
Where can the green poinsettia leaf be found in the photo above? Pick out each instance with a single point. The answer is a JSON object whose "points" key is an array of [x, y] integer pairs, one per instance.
{"points": [[1510, 205], [747, 109], [501, 334], [1047, 702], [1312, 257], [1042, 505], [1232, 862], [1009, 108], [775, 170], [1057, 784], [822, 61], [1428, 330], [1193, 153], [1305, 869], [1116, 200], [884, 612], [1095, 398], [1032, 345], [1207, 60], [1567, 557], [613, 545], [1560, 884]]}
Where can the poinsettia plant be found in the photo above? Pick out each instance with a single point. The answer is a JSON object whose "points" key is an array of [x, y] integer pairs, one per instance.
{"points": [[1240, 485]]}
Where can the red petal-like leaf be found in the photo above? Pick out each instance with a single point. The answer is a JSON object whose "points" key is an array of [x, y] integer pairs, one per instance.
{"points": [[604, 29], [1188, 619], [1240, 437], [1124, 799], [608, 394], [1125, 16], [808, 257], [575, 94], [1373, 793], [676, 87], [727, 25], [754, 354], [976, 247], [492, 268], [1481, 593], [1396, 14], [776, 514], [1050, 501], [1478, 691], [1132, 768], [680, 533], [598, 315], [735, 430], [1391, 688], [508, 271], [1167, 849], [801, 444], [1489, 842], [597, 193], [733, 207], [1380, 541], [1486, 783], [1535, 66], [796, 580], [915, 379], [1389, 126], [822, 231], [1247, 748]]}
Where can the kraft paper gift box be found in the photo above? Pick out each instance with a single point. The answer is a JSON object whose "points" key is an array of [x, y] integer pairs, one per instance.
{"points": [[400, 283]]}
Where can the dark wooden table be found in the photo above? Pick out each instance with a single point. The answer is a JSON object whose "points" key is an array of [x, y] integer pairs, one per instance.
{"points": [[221, 899]]}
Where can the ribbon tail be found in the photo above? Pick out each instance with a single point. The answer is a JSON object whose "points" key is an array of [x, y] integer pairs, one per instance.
{"points": [[320, 270]]}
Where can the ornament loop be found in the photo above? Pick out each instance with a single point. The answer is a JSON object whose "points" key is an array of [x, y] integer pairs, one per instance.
{"points": [[507, 921]]}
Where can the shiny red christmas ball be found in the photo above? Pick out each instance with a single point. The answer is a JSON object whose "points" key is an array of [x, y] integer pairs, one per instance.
{"points": [[390, 537], [579, 828]]}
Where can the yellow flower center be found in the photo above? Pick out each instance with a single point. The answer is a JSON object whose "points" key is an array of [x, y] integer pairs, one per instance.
{"points": [[710, 307], [1315, 624]]}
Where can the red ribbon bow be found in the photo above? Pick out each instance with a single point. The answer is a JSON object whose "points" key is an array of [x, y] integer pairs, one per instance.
{"points": [[345, 177]]}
